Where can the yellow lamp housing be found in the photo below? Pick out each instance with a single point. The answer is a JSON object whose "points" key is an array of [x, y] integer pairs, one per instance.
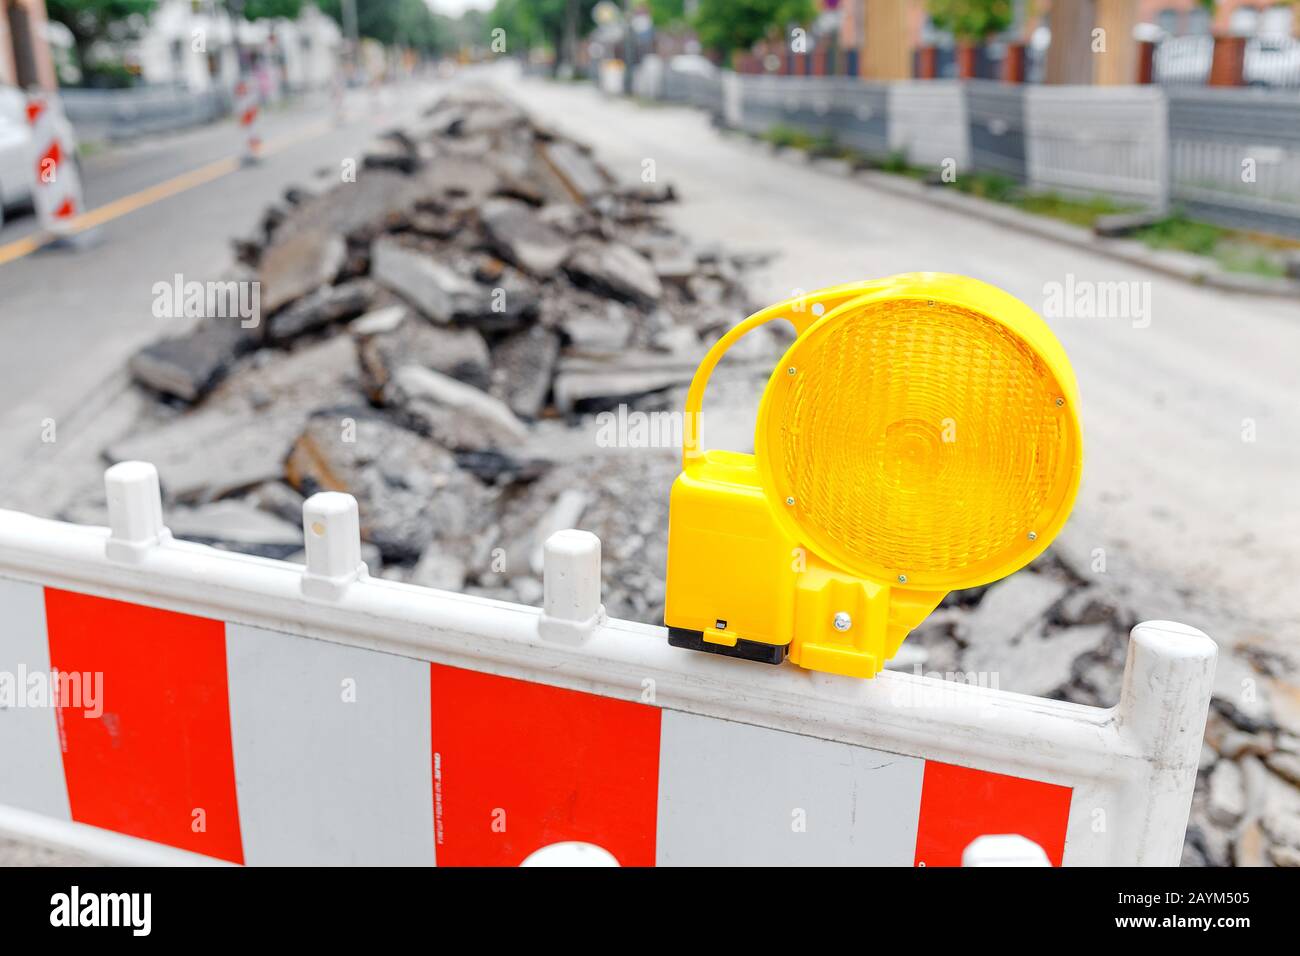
{"points": [[921, 435]]}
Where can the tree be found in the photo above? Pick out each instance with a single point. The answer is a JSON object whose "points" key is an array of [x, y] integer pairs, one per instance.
{"points": [[667, 13], [271, 9], [90, 21], [727, 25], [408, 23], [972, 19], [530, 23]]}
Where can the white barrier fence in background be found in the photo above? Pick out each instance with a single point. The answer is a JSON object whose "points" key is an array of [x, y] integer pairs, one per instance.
{"points": [[257, 711], [1227, 155], [927, 122], [1107, 140]]}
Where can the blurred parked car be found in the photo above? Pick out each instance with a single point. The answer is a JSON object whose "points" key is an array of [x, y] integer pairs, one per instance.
{"points": [[18, 151]]}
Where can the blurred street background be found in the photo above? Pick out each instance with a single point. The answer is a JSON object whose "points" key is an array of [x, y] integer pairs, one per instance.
{"points": [[1128, 168]]}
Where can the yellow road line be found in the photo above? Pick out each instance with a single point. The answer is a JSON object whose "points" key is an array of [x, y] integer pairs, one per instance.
{"points": [[145, 197], [156, 193], [21, 247]]}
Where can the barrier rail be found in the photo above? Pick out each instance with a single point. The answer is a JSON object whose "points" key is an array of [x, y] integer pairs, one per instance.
{"points": [[1226, 155], [258, 711], [1112, 140], [996, 114], [1235, 156], [927, 122], [140, 111]]}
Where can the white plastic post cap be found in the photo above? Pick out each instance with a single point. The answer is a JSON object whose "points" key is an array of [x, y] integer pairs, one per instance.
{"points": [[571, 607], [331, 528], [135, 519]]}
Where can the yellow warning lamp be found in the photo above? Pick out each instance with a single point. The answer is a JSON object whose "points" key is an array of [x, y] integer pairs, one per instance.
{"points": [[920, 436]]}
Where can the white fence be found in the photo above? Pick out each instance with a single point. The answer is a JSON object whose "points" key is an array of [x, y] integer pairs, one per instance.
{"points": [[1111, 140], [1227, 155], [927, 122], [313, 715], [854, 113], [140, 111], [1235, 155]]}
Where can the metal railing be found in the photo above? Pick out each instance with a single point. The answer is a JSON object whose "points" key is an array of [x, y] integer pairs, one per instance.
{"points": [[1230, 156], [1098, 140], [1235, 156], [140, 111]]}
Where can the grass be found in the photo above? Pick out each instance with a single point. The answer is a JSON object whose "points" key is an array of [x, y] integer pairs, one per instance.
{"points": [[1080, 212], [1234, 251], [1184, 235], [821, 144]]}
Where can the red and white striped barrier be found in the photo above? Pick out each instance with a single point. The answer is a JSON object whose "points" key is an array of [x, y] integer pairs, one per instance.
{"points": [[247, 109], [57, 186], [261, 712]]}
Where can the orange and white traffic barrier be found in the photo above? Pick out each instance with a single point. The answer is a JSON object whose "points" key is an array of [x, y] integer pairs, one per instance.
{"points": [[247, 109], [57, 190], [262, 712]]}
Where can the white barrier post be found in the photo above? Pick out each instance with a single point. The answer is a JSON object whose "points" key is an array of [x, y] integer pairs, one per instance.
{"points": [[134, 510], [57, 191], [571, 608], [1163, 705], [331, 528], [246, 107], [1004, 849]]}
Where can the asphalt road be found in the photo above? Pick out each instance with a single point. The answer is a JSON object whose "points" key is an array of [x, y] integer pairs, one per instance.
{"points": [[1197, 523], [68, 319]]}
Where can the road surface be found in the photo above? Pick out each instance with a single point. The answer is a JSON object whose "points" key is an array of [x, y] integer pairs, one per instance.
{"points": [[1191, 424], [68, 319]]}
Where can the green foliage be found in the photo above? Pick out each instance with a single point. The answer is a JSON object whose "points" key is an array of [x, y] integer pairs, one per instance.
{"points": [[1186, 235], [727, 25], [782, 136], [1080, 212], [971, 19], [993, 186], [263, 9], [91, 20], [530, 23], [668, 12], [408, 23]]}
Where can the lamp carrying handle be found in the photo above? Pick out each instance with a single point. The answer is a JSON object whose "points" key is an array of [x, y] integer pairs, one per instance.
{"points": [[799, 311]]}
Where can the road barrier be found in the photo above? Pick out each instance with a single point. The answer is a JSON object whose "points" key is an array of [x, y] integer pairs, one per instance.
{"points": [[56, 191], [257, 711], [1235, 156], [247, 108], [1230, 156]]}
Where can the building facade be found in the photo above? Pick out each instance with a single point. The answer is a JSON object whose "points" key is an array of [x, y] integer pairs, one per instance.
{"points": [[199, 46], [25, 59]]}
